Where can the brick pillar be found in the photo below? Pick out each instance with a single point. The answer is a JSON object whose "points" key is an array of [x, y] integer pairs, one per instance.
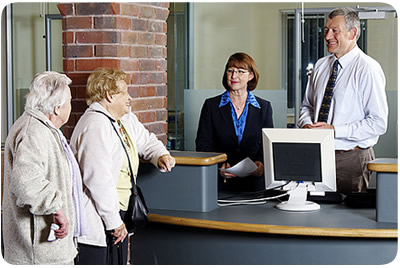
{"points": [[126, 36]]}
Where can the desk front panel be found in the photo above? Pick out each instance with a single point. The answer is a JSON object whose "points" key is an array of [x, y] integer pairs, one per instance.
{"points": [[176, 245]]}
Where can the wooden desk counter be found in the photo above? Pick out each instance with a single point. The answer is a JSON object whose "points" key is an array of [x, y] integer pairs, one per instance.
{"points": [[331, 220], [274, 229], [198, 158], [263, 235], [246, 235], [383, 165]]}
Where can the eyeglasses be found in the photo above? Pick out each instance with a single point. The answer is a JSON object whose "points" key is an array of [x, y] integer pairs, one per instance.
{"points": [[239, 72]]}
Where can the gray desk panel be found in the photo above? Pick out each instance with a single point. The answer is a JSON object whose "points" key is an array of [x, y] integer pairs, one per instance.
{"points": [[386, 202], [192, 188], [176, 245]]}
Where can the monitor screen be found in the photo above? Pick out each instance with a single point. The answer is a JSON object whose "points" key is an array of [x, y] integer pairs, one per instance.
{"points": [[306, 155], [297, 161]]}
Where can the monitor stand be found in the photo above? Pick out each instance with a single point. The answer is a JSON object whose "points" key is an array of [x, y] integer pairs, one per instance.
{"points": [[298, 201]]}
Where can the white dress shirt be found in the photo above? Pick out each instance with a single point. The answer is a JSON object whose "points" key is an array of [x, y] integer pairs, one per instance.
{"points": [[359, 108]]}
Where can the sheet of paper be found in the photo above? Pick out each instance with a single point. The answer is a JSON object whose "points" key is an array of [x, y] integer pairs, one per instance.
{"points": [[242, 169]]}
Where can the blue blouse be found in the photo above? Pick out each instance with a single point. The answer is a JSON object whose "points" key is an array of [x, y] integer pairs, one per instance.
{"points": [[239, 123]]}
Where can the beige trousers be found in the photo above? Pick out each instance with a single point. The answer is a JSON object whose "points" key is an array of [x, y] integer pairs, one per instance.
{"points": [[352, 173]]}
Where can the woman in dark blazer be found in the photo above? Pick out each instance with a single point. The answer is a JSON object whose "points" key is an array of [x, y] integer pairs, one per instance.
{"points": [[231, 123]]}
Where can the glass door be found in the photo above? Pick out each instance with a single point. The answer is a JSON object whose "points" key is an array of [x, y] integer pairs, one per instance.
{"points": [[177, 73], [27, 27]]}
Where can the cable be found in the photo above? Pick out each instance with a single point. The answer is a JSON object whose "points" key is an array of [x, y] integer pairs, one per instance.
{"points": [[253, 200], [257, 201], [238, 204], [255, 193]]}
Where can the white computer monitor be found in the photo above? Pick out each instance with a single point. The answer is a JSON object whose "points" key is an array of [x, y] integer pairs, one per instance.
{"points": [[301, 161]]}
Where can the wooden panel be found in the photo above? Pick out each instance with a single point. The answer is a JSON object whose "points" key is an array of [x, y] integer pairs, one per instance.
{"points": [[383, 165], [198, 158]]}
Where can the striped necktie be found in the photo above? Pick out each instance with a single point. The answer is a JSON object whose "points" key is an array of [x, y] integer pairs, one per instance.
{"points": [[326, 101]]}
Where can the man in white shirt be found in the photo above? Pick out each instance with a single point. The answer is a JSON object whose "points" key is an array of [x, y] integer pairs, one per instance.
{"points": [[357, 108]]}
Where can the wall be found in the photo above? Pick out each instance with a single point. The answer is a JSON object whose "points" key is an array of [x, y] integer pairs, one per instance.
{"points": [[221, 29], [127, 36]]}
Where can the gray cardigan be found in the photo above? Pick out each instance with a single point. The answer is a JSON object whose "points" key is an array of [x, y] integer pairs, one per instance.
{"points": [[37, 183]]}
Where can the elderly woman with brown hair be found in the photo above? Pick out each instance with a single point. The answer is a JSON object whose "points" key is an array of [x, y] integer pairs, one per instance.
{"points": [[42, 183], [231, 123], [96, 141]]}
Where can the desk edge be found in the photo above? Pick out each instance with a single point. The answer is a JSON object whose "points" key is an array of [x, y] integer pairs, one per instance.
{"points": [[382, 167], [200, 161], [274, 229]]}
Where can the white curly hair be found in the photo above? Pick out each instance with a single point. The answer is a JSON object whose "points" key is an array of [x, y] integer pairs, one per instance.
{"points": [[47, 91]]}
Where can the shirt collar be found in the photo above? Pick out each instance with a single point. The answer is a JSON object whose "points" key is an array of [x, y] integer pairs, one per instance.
{"points": [[348, 58], [224, 99], [251, 99]]}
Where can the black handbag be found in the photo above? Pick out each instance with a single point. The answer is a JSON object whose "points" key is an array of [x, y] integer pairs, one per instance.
{"points": [[136, 216]]}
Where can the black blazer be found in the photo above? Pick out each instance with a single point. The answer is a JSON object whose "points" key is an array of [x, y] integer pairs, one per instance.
{"points": [[216, 132]]}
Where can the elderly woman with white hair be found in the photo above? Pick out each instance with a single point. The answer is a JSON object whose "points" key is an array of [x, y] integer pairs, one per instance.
{"points": [[42, 184]]}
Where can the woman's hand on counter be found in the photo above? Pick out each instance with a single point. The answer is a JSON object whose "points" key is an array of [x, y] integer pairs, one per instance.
{"points": [[166, 163]]}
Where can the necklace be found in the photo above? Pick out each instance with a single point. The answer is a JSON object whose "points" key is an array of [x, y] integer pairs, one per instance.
{"points": [[239, 107], [239, 98]]}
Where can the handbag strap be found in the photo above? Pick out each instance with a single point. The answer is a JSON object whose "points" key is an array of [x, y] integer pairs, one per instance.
{"points": [[112, 121]]}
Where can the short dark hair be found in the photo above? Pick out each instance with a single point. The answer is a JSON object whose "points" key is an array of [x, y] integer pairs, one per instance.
{"points": [[350, 17], [242, 60]]}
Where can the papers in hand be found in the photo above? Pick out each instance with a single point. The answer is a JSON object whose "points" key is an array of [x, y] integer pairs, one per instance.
{"points": [[242, 169]]}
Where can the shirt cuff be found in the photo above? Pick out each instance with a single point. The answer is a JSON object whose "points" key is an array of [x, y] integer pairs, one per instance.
{"points": [[154, 160], [341, 131], [301, 124], [113, 222]]}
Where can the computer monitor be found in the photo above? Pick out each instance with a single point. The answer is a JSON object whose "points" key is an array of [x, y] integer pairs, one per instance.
{"points": [[301, 161]]}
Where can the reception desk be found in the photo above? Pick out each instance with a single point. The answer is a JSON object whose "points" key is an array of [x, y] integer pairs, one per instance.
{"points": [[264, 235], [259, 234]]}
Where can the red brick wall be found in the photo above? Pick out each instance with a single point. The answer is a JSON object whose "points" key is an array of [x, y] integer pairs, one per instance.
{"points": [[126, 36]]}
